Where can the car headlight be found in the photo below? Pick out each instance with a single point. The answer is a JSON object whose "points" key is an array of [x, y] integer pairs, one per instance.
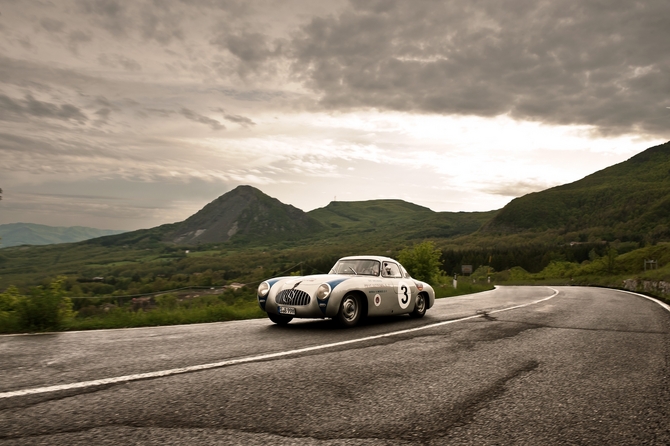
{"points": [[323, 292], [263, 289]]}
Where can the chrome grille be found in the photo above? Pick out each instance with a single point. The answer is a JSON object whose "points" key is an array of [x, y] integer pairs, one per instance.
{"points": [[293, 297]]}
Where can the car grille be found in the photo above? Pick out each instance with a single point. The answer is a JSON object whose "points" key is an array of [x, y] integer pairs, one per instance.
{"points": [[293, 297]]}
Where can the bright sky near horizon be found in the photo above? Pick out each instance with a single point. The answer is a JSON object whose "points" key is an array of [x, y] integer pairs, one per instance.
{"points": [[127, 115]]}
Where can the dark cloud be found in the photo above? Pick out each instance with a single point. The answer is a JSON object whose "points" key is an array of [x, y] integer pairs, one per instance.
{"points": [[109, 14], [161, 24], [77, 37], [255, 52], [21, 145], [569, 62], [213, 123], [25, 43], [51, 25], [103, 115], [241, 120], [11, 109], [117, 60], [164, 113]]}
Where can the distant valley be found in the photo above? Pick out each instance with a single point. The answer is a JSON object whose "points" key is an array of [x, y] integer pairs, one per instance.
{"points": [[16, 234]]}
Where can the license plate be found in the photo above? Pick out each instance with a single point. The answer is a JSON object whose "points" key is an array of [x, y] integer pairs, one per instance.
{"points": [[287, 310]]}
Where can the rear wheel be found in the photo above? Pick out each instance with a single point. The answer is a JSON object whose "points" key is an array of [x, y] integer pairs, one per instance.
{"points": [[350, 311], [420, 306], [280, 319]]}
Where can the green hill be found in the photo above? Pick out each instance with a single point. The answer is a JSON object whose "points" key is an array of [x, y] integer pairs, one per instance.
{"points": [[627, 201], [395, 220], [16, 234]]}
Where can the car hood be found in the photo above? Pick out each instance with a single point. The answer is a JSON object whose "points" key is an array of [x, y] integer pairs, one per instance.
{"points": [[310, 284]]}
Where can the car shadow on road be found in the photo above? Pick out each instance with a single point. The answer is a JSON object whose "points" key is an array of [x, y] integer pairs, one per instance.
{"points": [[397, 322]]}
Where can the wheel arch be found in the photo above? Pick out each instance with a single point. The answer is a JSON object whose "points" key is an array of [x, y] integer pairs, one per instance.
{"points": [[363, 298], [426, 296]]}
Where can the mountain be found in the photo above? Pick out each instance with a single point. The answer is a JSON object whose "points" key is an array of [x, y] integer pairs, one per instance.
{"points": [[15, 234], [245, 214], [627, 201]]}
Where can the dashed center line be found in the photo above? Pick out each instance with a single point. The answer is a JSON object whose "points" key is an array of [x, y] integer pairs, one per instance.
{"points": [[229, 362]]}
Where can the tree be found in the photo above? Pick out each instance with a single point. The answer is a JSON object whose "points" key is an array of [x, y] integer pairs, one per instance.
{"points": [[45, 308], [610, 261], [422, 261]]}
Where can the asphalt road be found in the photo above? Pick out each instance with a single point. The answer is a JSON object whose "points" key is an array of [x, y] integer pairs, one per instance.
{"points": [[585, 367]]}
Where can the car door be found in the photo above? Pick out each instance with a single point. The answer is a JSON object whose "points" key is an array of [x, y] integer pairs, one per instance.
{"points": [[402, 288]]}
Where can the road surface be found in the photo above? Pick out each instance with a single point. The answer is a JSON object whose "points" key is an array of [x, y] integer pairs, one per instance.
{"points": [[517, 365]]}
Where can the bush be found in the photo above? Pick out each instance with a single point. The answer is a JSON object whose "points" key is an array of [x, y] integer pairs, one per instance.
{"points": [[45, 308], [9, 300], [168, 301], [422, 261]]}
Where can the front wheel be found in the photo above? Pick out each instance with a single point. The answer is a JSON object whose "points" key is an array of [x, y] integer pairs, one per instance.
{"points": [[420, 306], [350, 311], [279, 319]]}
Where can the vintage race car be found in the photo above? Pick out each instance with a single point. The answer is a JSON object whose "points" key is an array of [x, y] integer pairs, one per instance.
{"points": [[356, 287]]}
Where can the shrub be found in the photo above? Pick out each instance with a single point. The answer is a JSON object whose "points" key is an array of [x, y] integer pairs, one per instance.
{"points": [[45, 308], [168, 301], [9, 300], [422, 261]]}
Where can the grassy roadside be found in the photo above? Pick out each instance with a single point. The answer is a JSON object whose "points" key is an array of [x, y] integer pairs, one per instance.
{"points": [[121, 318], [50, 309]]}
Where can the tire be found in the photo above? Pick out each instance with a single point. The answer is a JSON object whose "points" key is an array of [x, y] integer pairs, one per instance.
{"points": [[280, 319], [350, 312], [419, 306]]}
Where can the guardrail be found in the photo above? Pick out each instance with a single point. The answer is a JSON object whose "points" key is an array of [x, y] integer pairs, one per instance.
{"points": [[656, 287]]}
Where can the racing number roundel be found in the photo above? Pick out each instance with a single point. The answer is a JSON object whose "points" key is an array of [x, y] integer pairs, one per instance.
{"points": [[404, 294]]}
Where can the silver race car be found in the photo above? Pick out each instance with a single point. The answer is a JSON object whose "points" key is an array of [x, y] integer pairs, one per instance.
{"points": [[356, 287]]}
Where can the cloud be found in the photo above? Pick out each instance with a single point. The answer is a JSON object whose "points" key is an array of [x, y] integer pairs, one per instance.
{"points": [[515, 188], [117, 60], [11, 109], [109, 14], [21, 145], [77, 37], [52, 25], [160, 23], [241, 120], [254, 52], [558, 62], [213, 123]]}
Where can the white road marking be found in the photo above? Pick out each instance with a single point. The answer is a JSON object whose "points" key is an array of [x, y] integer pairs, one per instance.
{"points": [[666, 306], [213, 365]]}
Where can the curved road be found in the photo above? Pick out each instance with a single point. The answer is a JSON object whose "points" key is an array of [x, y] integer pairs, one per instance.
{"points": [[517, 365]]}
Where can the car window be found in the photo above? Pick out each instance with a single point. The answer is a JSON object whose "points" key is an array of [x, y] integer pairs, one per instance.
{"points": [[390, 270], [404, 272], [357, 267]]}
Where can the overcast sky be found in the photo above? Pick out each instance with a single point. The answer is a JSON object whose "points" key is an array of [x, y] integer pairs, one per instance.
{"points": [[129, 114]]}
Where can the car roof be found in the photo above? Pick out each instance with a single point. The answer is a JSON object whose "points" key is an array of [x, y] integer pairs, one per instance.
{"points": [[379, 258]]}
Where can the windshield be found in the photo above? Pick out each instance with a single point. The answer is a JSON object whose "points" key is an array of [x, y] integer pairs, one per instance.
{"points": [[357, 267]]}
